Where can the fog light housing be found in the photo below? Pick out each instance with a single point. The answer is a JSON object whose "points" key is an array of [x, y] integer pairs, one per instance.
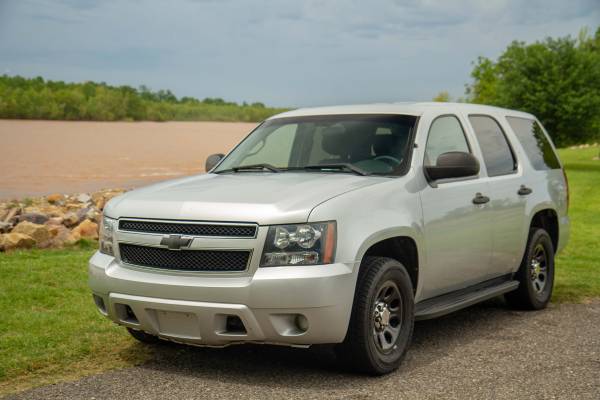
{"points": [[301, 322]]}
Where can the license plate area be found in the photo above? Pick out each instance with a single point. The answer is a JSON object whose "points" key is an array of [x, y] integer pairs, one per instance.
{"points": [[177, 324]]}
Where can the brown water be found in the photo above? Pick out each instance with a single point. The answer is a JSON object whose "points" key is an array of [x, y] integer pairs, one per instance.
{"points": [[42, 157]]}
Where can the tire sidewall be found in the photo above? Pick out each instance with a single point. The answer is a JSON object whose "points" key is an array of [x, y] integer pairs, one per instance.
{"points": [[540, 300], [394, 271]]}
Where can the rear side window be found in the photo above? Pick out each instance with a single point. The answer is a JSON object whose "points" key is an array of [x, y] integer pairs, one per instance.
{"points": [[497, 154], [445, 134], [534, 141]]}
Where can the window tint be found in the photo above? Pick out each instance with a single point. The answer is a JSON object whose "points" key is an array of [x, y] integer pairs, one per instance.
{"points": [[498, 157], [446, 134], [534, 141]]}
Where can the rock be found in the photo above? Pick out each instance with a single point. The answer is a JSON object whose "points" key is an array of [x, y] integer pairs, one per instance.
{"points": [[60, 236], [93, 215], [12, 214], [99, 203], [70, 219], [55, 198], [38, 232], [83, 198], [5, 227], [87, 229], [51, 210], [87, 213], [55, 221], [33, 217], [12, 241]]}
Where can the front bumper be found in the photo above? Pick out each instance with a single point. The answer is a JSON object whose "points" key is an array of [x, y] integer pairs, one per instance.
{"points": [[195, 308]]}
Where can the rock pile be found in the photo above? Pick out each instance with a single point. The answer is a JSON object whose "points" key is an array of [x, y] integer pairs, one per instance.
{"points": [[52, 221]]}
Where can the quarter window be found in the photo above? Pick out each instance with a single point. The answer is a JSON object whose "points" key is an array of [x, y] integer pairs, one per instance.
{"points": [[498, 157], [535, 143], [445, 134]]}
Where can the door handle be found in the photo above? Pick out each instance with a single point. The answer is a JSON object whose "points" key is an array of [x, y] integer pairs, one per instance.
{"points": [[480, 199], [524, 190]]}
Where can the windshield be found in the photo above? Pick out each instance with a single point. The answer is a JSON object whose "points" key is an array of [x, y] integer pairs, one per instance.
{"points": [[367, 144]]}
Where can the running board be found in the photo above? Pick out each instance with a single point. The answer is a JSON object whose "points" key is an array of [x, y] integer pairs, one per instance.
{"points": [[448, 303]]}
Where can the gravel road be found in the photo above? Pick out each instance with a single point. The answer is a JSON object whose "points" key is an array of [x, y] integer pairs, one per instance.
{"points": [[484, 352]]}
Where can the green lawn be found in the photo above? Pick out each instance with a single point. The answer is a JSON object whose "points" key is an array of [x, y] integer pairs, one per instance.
{"points": [[49, 327], [51, 331], [578, 266]]}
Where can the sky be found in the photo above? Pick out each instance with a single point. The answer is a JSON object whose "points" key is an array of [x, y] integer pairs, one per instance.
{"points": [[282, 53]]}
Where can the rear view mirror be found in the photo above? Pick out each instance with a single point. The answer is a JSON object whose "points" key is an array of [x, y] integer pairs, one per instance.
{"points": [[453, 164], [212, 161]]}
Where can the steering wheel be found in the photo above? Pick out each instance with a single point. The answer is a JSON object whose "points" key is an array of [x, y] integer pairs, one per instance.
{"points": [[393, 161]]}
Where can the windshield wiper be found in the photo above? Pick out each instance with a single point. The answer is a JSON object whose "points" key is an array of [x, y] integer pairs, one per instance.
{"points": [[338, 167], [253, 167]]}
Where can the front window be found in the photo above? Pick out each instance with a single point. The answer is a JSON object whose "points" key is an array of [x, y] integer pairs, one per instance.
{"points": [[364, 144]]}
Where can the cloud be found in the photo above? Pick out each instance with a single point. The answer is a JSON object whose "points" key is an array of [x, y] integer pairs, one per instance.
{"points": [[279, 52]]}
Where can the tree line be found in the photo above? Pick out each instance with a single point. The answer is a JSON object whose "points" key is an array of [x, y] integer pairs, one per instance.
{"points": [[557, 80], [36, 98]]}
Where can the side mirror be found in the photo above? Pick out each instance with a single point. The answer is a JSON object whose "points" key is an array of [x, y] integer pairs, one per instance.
{"points": [[213, 160], [453, 164]]}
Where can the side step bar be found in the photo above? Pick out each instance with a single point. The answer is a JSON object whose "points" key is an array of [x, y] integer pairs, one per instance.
{"points": [[448, 303]]}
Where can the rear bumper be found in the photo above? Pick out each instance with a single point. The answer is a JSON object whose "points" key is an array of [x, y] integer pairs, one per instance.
{"points": [[194, 309]]}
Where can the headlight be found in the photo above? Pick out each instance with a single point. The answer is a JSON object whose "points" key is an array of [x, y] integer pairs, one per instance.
{"points": [[301, 244], [107, 229]]}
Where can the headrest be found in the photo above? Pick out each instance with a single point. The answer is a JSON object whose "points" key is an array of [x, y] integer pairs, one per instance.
{"points": [[335, 141], [382, 145]]}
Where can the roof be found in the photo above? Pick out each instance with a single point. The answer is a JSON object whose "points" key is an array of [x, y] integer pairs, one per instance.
{"points": [[416, 109]]}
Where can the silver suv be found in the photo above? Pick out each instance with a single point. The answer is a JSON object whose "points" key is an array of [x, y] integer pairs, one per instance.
{"points": [[340, 225]]}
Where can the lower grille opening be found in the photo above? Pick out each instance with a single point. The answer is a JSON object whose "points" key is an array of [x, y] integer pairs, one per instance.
{"points": [[235, 325], [185, 260], [126, 314]]}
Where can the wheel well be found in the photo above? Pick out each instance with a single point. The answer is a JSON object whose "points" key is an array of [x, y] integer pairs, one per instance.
{"points": [[547, 220], [400, 248]]}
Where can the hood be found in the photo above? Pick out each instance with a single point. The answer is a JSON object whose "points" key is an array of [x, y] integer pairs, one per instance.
{"points": [[263, 198]]}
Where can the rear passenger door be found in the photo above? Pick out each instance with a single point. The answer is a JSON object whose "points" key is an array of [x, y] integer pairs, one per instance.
{"points": [[507, 204]]}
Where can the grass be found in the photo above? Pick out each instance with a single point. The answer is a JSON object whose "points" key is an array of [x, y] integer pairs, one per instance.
{"points": [[578, 266], [50, 330], [49, 327]]}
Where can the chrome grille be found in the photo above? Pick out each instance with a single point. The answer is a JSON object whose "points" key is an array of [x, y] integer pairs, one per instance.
{"points": [[191, 229], [185, 260]]}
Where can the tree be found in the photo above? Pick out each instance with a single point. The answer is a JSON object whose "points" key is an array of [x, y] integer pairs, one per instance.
{"points": [[558, 80], [442, 97], [39, 99]]}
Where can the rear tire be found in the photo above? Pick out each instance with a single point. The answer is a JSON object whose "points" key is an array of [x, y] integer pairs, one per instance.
{"points": [[382, 319], [536, 273], [144, 337]]}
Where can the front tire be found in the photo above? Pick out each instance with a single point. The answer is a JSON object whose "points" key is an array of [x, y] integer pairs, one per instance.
{"points": [[382, 319], [536, 273]]}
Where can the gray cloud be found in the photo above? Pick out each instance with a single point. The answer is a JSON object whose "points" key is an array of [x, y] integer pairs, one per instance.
{"points": [[279, 52]]}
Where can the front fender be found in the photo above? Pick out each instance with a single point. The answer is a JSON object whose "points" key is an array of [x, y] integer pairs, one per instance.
{"points": [[370, 215]]}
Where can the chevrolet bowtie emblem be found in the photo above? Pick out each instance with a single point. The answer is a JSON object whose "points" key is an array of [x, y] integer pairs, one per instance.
{"points": [[175, 242]]}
